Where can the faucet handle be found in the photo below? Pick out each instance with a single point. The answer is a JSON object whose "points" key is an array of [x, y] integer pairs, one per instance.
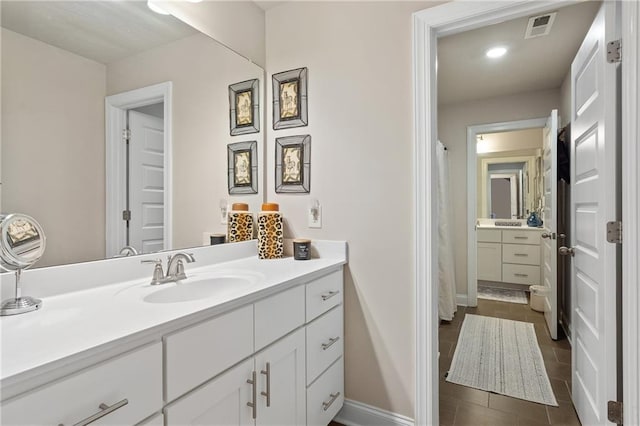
{"points": [[158, 273]]}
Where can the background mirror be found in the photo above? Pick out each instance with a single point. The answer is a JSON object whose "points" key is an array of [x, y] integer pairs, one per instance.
{"points": [[60, 60], [509, 176]]}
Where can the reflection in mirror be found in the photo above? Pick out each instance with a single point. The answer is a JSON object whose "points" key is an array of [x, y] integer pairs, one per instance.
{"points": [[60, 61], [509, 176]]}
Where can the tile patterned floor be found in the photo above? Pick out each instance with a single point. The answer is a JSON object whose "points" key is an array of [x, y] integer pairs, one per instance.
{"points": [[461, 405]]}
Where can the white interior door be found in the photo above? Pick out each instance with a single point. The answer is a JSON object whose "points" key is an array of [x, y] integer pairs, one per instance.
{"points": [[594, 201], [550, 222], [146, 182]]}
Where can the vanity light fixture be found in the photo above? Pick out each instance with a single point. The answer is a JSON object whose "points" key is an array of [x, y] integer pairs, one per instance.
{"points": [[157, 9], [496, 52]]}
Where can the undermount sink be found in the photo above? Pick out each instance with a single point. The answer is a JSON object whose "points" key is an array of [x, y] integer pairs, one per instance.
{"points": [[201, 286]]}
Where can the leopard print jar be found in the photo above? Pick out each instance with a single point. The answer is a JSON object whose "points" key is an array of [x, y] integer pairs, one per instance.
{"points": [[239, 226], [270, 235]]}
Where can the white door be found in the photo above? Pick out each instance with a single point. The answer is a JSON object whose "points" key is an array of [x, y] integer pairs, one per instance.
{"points": [[550, 222], [594, 201], [221, 402], [281, 382], [146, 182]]}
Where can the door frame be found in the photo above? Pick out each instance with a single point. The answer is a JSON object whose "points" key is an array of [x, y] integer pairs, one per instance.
{"points": [[116, 107], [454, 17], [472, 194]]}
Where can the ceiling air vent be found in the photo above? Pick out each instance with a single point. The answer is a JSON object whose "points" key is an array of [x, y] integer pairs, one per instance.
{"points": [[540, 25]]}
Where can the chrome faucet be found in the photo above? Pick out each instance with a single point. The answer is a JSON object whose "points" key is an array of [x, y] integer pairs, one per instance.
{"points": [[175, 268]]}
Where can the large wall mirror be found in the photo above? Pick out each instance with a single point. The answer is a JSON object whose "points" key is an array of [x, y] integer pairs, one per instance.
{"points": [[509, 175], [60, 62]]}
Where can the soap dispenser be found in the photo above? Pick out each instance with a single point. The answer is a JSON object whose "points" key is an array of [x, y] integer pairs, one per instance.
{"points": [[239, 223], [270, 232]]}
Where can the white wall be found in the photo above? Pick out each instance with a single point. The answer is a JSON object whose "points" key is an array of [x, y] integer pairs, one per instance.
{"points": [[360, 119], [201, 71], [239, 25], [453, 121], [53, 145]]}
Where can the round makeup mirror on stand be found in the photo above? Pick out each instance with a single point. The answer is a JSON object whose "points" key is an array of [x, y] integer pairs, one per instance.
{"points": [[22, 244]]}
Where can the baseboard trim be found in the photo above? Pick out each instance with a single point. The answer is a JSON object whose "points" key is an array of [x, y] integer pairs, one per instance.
{"points": [[461, 300], [355, 413]]}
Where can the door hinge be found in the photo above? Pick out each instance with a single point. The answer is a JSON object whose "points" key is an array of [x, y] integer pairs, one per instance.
{"points": [[614, 232], [126, 214], [614, 52], [614, 412], [126, 135]]}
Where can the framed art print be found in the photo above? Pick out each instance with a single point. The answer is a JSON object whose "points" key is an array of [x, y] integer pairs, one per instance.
{"points": [[242, 162], [293, 164], [290, 99], [244, 107]]}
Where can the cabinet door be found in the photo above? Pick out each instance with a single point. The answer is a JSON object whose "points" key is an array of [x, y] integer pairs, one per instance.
{"points": [[490, 261], [223, 401], [281, 382]]}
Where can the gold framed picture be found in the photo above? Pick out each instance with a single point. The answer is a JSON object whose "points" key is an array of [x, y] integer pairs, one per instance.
{"points": [[244, 108], [290, 99]]}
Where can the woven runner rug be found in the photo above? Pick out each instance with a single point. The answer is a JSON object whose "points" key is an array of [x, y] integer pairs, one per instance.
{"points": [[501, 356], [502, 294]]}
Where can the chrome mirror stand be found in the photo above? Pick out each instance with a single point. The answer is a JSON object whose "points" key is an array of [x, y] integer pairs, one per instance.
{"points": [[18, 304]]}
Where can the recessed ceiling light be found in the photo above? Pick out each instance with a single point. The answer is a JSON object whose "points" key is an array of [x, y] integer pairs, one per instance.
{"points": [[157, 9], [496, 52]]}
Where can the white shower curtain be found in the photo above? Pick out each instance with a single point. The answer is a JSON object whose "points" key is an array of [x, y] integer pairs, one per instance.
{"points": [[447, 291]]}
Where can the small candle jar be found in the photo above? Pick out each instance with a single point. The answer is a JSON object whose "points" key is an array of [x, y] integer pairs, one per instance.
{"points": [[301, 249]]}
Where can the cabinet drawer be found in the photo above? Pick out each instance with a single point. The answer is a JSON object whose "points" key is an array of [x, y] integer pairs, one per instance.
{"points": [[323, 294], [521, 237], [520, 253], [278, 315], [489, 235], [325, 342], [521, 274], [196, 354], [135, 377], [489, 265], [326, 396]]}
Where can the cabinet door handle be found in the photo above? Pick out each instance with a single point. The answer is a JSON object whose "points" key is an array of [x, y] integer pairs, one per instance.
{"points": [[329, 295], [267, 394], [253, 404], [326, 405], [521, 275], [521, 254], [521, 238], [326, 346], [104, 410]]}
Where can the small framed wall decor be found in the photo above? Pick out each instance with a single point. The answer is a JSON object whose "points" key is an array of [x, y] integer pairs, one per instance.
{"points": [[290, 99], [244, 107], [242, 161], [293, 164]]}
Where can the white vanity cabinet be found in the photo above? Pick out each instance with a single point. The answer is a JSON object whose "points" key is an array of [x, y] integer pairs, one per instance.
{"points": [[122, 391], [511, 256]]}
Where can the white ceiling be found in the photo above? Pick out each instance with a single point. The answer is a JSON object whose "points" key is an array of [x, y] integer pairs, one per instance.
{"points": [[466, 74], [104, 31]]}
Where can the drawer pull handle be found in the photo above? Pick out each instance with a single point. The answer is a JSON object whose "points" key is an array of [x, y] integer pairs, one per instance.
{"points": [[326, 405], [521, 275], [521, 254], [253, 404], [521, 238], [267, 372], [329, 295], [326, 346], [105, 409]]}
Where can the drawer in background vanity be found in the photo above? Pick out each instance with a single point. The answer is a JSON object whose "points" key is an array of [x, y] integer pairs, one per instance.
{"points": [[521, 274], [520, 253], [521, 237]]}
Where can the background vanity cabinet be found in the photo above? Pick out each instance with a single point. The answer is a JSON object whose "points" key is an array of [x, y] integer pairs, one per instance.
{"points": [[511, 256], [124, 391]]}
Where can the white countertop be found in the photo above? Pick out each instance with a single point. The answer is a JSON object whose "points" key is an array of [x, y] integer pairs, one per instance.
{"points": [[76, 325], [483, 223]]}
